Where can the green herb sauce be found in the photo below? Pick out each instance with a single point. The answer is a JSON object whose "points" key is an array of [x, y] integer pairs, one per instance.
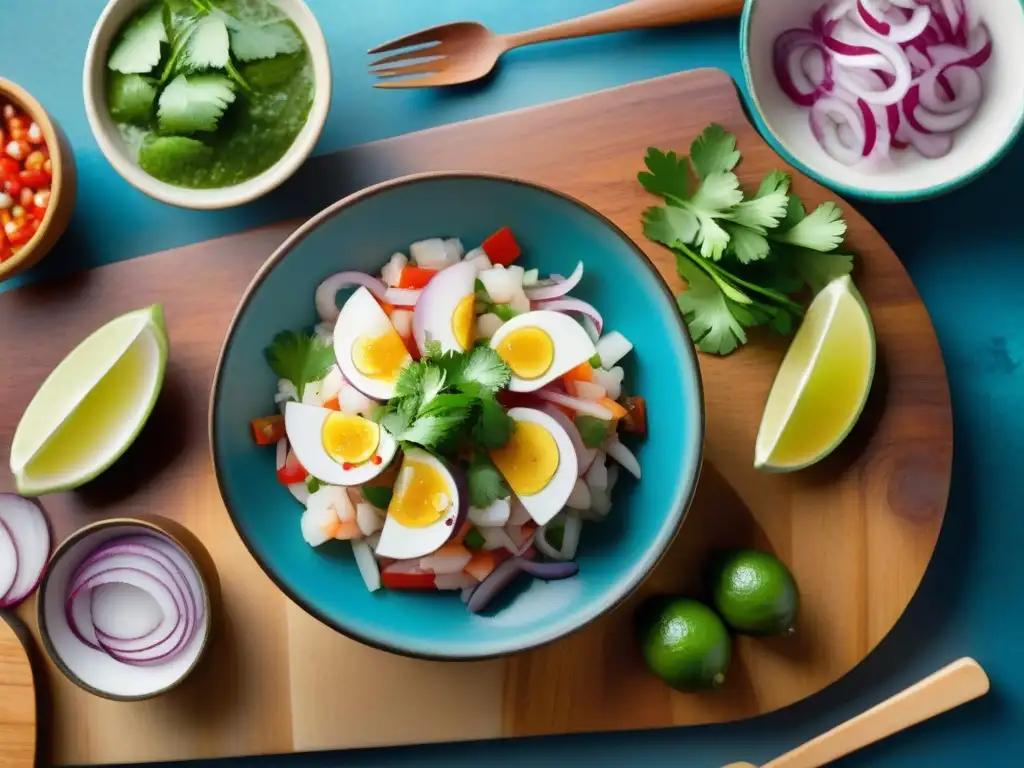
{"points": [[204, 144]]}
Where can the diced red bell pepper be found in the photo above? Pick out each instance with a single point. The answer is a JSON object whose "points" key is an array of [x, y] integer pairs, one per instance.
{"points": [[332, 404], [635, 420], [501, 247], [292, 471], [414, 277], [399, 580], [267, 429]]}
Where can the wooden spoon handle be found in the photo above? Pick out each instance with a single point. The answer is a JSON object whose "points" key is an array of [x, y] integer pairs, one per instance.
{"points": [[950, 687], [638, 14]]}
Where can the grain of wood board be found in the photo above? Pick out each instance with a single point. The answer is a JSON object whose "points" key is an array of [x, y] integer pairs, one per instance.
{"points": [[858, 529], [17, 697]]}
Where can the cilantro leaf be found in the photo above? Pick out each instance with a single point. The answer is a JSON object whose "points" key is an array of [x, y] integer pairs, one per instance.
{"points": [[819, 269], [138, 50], [434, 428], [410, 380], [592, 429], [206, 46], [493, 426], [486, 485], [667, 224], [708, 312], [745, 244], [483, 366], [768, 206], [131, 98], [821, 230], [714, 151], [667, 176], [191, 104], [433, 383], [300, 358], [446, 403], [250, 42]]}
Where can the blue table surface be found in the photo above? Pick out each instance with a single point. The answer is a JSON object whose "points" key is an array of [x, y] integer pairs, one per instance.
{"points": [[964, 251]]}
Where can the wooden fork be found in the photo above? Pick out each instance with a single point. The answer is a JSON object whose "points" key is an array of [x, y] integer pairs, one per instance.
{"points": [[463, 51]]}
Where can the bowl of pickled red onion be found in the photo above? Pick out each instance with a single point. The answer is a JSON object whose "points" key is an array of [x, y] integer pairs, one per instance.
{"points": [[890, 100]]}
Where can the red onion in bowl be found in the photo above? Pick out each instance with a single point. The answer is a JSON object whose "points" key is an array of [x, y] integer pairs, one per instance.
{"points": [[556, 289], [327, 292], [569, 304]]}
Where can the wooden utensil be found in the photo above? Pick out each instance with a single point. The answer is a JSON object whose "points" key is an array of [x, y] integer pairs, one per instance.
{"points": [[951, 686], [465, 50], [17, 697], [858, 530]]}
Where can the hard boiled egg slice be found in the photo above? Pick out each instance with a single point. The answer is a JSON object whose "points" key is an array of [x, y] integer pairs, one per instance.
{"points": [[425, 510], [338, 448], [369, 350], [444, 312], [540, 346], [538, 463]]}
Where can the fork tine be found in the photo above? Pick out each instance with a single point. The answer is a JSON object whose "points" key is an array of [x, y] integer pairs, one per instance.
{"points": [[418, 53], [438, 65], [413, 82], [417, 38]]}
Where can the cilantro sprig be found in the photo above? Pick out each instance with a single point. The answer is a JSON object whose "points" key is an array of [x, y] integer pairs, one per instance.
{"points": [[446, 398], [743, 259], [300, 358]]}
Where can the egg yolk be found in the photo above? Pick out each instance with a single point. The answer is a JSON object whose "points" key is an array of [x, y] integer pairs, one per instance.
{"points": [[422, 496], [529, 352], [380, 357], [528, 460], [464, 321], [350, 439]]}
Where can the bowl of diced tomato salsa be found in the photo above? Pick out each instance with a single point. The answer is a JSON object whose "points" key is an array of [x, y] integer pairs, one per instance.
{"points": [[37, 181]]}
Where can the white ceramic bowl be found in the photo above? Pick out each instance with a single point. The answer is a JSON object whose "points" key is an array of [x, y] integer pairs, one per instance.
{"points": [[117, 153], [977, 146], [93, 670]]}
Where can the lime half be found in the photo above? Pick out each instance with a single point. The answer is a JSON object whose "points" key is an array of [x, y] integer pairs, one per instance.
{"points": [[823, 382], [92, 406]]}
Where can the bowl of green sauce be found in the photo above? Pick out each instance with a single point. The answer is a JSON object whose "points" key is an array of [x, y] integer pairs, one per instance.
{"points": [[206, 103]]}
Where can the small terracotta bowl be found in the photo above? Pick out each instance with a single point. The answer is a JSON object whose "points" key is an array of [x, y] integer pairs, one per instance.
{"points": [[62, 187], [94, 670]]}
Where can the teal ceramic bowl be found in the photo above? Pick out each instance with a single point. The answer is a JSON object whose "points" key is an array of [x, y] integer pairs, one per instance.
{"points": [[977, 146], [361, 232]]}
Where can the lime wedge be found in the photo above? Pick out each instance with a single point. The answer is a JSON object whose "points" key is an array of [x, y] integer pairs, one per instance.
{"points": [[92, 406], [823, 382]]}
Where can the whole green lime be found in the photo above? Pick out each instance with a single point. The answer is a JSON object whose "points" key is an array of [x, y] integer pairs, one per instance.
{"points": [[755, 593], [683, 642]]}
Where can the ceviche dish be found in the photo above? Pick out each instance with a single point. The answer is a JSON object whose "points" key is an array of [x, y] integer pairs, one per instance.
{"points": [[456, 419]]}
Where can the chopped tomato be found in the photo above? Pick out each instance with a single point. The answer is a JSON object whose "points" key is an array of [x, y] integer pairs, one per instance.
{"points": [[388, 308], [617, 410], [481, 565], [414, 277], [635, 419], [267, 429], [582, 372], [333, 404], [410, 345], [292, 471], [399, 580], [501, 247]]}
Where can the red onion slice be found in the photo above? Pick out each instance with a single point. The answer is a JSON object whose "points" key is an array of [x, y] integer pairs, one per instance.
{"points": [[825, 118], [30, 534], [326, 297], [926, 121], [557, 289], [549, 571], [574, 403], [569, 304], [791, 71], [874, 20], [402, 297], [962, 88], [8, 560]]}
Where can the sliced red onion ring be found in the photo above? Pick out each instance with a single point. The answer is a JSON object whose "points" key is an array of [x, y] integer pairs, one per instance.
{"points": [[29, 531], [826, 116], [402, 297], [575, 403], [880, 23], [569, 304], [963, 88], [550, 571], [557, 289], [796, 82], [584, 455], [925, 120], [8, 560], [327, 292]]}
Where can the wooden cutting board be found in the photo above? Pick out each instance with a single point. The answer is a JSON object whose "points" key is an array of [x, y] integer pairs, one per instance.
{"points": [[17, 696], [857, 530]]}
